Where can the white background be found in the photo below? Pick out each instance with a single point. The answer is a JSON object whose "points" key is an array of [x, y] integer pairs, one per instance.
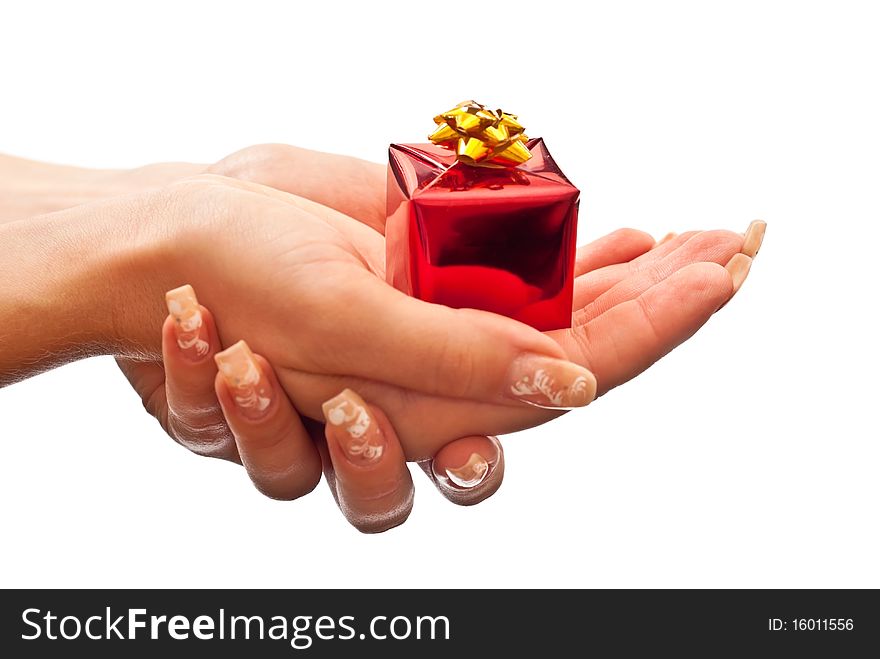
{"points": [[748, 457]]}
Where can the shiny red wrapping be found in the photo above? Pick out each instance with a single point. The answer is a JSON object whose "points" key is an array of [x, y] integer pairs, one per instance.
{"points": [[498, 239]]}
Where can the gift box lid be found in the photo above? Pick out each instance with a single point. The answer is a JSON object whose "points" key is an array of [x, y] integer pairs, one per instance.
{"points": [[428, 169]]}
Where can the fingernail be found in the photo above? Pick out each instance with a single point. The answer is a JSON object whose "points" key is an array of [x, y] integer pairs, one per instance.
{"points": [[553, 384], [669, 236], [754, 236], [250, 389], [357, 432], [188, 327], [738, 267], [472, 472]]}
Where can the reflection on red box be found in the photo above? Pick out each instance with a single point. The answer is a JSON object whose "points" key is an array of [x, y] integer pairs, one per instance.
{"points": [[498, 239]]}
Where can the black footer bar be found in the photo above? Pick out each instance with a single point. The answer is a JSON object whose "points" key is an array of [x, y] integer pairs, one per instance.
{"points": [[427, 623]]}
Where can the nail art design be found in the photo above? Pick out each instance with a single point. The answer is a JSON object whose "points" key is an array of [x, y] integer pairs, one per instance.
{"points": [[471, 473], [250, 390], [184, 308], [361, 439], [553, 383], [463, 484]]}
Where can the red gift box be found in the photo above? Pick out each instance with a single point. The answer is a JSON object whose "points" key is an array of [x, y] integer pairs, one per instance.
{"points": [[501, 239]]}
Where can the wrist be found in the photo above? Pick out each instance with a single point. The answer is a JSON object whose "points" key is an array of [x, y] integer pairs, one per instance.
{"points": [[147, 244], [84, 281], [147, 259], [29, 188]]}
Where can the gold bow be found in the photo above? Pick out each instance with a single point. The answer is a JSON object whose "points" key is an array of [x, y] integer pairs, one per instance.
{"points": [[480, 136]]}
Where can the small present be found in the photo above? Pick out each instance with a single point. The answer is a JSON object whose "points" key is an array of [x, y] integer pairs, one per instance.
{"points": [[482, 217]]}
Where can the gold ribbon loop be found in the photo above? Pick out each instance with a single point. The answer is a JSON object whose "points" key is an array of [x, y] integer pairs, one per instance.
{"points": [[480, 136]]}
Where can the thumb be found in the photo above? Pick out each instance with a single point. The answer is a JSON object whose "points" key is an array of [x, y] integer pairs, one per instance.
{"points": [[460, 353]]}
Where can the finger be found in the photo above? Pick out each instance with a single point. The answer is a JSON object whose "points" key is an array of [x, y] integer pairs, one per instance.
{"points": [[189, 342], [374, 488], [662, 248], [753, 238], [148, 379], [459, 353], [593, 284], [617, 247], [467, 471], [738, 267], [407, 411], [707, 246], [740, 264], [274, 446], [316, 432], [628, 338]]}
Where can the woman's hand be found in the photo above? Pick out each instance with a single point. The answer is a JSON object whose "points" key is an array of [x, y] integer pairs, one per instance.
{"points": [[664, 296], [29, 188], [635, 300], [291, 280], [241, 413], [625, 284], [624, 261], [304, 282]]}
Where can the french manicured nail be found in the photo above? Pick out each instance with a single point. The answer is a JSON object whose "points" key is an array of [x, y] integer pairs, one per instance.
{"points": [[669, 236], [550, 383], [754, 236], [192, 336], [250, 389], [472, 471], [738, 267], [354, 428]]}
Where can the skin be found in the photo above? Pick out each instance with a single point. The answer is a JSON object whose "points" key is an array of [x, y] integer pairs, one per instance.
{"points": [[634, 301], [284, 454], [303, 290], [180, 392]]}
